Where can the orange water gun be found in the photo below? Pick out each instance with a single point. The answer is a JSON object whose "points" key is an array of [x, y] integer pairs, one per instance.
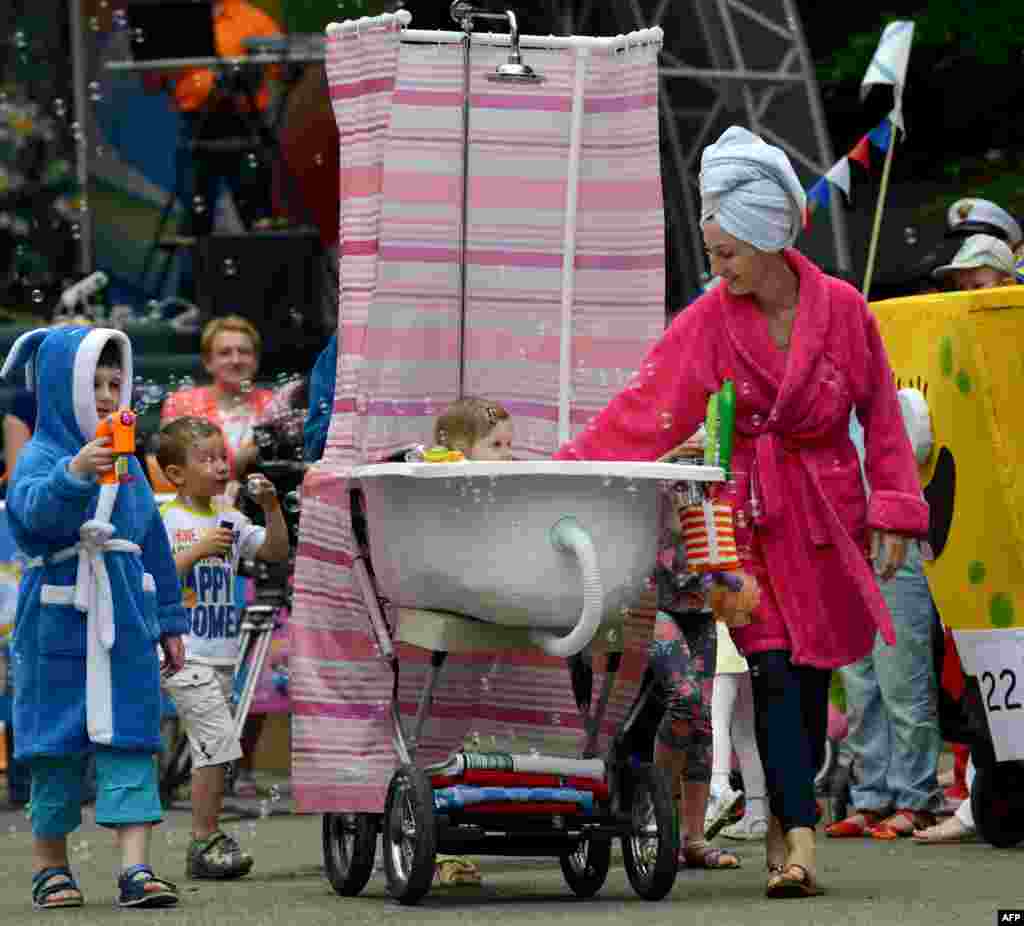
{"points": [[120, 428]]}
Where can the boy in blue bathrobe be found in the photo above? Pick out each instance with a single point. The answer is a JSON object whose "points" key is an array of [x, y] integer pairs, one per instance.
{"points": [[99, 592]]}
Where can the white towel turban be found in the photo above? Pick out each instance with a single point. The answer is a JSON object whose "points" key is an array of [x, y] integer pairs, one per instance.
{"points": [[751, 190]]}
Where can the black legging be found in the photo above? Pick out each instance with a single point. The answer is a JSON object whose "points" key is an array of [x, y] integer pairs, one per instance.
{"points": [[791, 722]]}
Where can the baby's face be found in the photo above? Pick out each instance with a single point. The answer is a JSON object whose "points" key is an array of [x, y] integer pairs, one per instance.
{"points": [[495, 445]]}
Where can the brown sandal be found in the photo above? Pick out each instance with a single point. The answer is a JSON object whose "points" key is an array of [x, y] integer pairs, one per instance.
{"points": [[793, 881], [708, 857]]}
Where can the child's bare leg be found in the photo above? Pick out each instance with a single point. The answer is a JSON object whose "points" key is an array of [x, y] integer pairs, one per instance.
{"points": [[52, 853], [133, 841], [695, 804], [672, 762], [207, 799]]}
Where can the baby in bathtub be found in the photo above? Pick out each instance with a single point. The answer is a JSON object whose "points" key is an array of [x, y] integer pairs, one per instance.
{"points": [[480, 428]]}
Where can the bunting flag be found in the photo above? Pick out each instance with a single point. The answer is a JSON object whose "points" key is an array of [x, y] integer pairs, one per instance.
{"points": [[881, 134], [861, 153], [821, 193], [839, 174]]}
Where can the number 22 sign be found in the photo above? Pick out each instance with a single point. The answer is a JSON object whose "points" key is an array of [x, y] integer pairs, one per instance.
{"points": [[996, 657]]}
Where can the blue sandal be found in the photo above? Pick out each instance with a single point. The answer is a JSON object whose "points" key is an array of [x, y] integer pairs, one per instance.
{"points": [[133, 883], [52, 881]]}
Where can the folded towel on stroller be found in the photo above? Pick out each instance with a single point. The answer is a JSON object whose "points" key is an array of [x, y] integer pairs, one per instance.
{"points": [[461, 796], [460, 762], [522, 780]]}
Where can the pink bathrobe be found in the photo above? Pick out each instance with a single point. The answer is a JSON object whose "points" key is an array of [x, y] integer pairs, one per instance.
{"points": [[801, 508]]}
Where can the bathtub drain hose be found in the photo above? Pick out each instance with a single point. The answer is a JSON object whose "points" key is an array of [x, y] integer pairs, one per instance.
{"points": [[569, 536]]}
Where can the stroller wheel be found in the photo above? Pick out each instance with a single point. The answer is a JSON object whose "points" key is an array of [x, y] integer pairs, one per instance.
{"points": [[997, 802], [586, 868], [650, 851], [350, 843], [410, 835]]}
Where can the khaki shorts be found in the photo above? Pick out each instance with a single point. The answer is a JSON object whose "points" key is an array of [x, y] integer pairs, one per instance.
{"points": [[202, 698]]}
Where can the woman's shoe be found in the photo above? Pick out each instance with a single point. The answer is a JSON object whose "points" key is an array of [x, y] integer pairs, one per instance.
{"points": [[797, 878], [855, 825], [748, 827], [722, 804], [901, 823]]}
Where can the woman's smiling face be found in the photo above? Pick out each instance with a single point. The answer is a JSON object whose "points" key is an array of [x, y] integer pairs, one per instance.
{"points": [[735, 261]]}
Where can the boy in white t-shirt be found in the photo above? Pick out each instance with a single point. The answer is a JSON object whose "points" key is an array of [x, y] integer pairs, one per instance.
{"points": [[207, 542]]}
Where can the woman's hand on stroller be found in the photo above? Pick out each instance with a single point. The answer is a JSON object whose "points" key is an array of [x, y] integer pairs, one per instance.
{"points": [[733, 596]]}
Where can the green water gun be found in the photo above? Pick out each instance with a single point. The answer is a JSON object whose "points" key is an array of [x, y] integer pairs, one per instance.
{"points": [[720, 425]]}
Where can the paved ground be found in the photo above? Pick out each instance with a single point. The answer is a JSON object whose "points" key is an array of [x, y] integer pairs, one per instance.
{"points": [[868, 883]]}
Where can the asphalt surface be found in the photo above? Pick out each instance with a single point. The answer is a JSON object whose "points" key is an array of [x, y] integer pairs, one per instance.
{"points": [[866, 881]]}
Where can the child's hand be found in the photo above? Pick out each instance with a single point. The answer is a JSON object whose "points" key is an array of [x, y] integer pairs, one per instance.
{"points": [[261, 490], [94, 458], [217, 541], [174, 655]]}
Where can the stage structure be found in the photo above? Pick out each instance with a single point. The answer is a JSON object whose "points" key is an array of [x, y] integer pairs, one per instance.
{"points": [[724, 62]]}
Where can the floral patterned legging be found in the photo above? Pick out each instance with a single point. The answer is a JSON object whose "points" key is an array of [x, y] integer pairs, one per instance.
{"points": [[682, 657]]}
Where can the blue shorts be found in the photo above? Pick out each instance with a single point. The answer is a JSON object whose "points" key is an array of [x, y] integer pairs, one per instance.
{"points": [[127, 791]]}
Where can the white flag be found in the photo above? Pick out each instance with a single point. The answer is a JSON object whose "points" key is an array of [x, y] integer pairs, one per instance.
{"points": [[889, 66], [839, 175]]}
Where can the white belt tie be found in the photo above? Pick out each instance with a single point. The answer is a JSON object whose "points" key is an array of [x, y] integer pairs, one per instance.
{"points": [[92, 588]]}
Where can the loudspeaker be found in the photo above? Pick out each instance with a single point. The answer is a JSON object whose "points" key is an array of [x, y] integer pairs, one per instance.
{"points": [[280, 282]]}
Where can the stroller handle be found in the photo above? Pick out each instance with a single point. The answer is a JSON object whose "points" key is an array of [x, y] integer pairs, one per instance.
{"points": [[569, 536]]}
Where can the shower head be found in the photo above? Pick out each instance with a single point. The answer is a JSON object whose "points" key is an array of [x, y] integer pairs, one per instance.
{"points": [[513, 70]]}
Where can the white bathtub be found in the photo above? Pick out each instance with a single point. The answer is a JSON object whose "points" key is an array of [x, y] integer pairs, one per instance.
{"points": [[501, 542]]}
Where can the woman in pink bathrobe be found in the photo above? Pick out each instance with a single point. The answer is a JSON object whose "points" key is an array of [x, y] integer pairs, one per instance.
{"points": [[803, 350]]}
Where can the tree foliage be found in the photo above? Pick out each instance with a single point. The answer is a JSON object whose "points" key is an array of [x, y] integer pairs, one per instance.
{"points": [[992, 31]]}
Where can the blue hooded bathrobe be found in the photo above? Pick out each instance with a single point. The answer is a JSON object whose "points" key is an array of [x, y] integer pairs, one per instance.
{"points": [[99, 588]]}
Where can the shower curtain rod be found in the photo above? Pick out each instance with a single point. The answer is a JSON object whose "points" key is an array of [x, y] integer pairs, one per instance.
{"points": [[638, 38]]}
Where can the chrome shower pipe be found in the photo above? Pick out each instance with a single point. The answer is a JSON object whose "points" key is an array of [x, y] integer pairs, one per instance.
{"points": [[465, 14]]}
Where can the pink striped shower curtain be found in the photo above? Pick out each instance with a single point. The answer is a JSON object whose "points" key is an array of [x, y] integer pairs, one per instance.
{"points": [[397, 100]]}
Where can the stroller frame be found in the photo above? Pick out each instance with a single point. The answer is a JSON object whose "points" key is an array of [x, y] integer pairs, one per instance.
{"points": [[639, 809]]}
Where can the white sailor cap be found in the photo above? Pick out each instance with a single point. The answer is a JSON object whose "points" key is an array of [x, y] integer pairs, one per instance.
{"points": [[972, 216]]}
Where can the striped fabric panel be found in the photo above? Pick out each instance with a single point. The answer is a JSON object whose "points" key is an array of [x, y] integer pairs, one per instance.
{"points": [[398, 109]]}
